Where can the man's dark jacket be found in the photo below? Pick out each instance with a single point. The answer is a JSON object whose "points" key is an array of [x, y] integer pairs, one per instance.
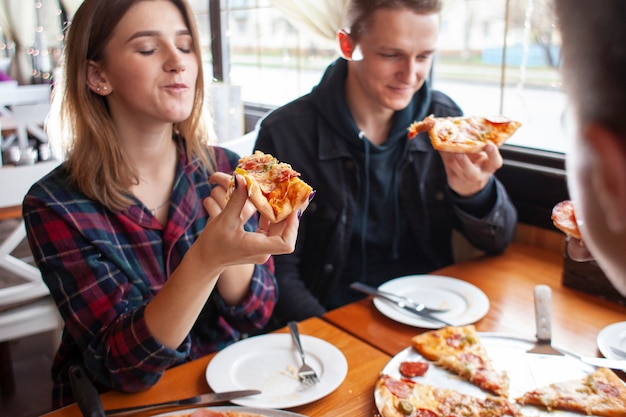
{"points": [[317, 135]]}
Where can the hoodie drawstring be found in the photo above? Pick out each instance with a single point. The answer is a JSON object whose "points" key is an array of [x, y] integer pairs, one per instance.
{"points": [[366, 201]]}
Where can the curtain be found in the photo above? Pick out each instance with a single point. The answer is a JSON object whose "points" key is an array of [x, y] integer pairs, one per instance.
{"points": [[71, 6], [320, 17], [19, 24]]}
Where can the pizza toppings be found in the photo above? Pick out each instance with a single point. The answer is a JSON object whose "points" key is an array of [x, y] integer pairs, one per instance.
{"points": [[564, 218], [464, 134], [412, 369], [415, 399], [273, 187], [600, 393], [459, 349]]}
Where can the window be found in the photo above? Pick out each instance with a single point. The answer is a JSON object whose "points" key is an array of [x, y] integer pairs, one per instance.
{"points": [[275, 62]]}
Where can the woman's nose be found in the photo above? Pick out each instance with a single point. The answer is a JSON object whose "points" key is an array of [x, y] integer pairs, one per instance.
{"points": [[175, 63]]}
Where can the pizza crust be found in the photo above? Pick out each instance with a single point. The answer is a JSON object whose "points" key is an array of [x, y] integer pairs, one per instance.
{"points": [[465, 134], [429, 401], [460, 350], [600, 393], [281, 193], [564, 219]]}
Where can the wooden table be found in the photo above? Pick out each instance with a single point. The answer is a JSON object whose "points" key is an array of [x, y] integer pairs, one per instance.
{"points": [[508, 280], [354, 397], [368, 339]]}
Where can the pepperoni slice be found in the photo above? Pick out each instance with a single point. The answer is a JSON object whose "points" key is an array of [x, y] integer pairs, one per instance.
{"points": [[410, 369]]}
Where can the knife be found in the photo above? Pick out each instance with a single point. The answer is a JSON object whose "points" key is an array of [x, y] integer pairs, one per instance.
{"points": [[198, 400], [406, 305], [619, 364]]}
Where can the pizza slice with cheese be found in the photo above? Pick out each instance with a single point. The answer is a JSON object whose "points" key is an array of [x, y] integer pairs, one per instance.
{"points": [[460, 350], [600, 393], [407, 398], [564, 218], [465, 134], [273, 187]]}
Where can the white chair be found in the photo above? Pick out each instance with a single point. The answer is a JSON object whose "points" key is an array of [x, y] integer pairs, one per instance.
{"points": [[23, 109], [27, 307]]}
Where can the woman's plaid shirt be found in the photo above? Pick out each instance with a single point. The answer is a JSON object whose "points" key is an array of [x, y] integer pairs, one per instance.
{"points": [[103, 267]]}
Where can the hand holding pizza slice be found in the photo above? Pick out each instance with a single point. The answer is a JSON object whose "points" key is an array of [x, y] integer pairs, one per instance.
{"points": [[273, 187], [564, 218], [465, 134]]}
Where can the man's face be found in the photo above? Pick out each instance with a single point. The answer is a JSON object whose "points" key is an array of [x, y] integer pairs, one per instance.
{"points": [[397, 50]]}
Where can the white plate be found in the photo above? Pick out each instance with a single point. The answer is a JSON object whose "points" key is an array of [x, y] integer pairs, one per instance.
{"points": [[261, 411], [269, 363], [612, 335], [467, 303], [526, 371]]}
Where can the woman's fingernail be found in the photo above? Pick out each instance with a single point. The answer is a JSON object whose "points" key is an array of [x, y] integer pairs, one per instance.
{"points": [[312, 195], [299, 214], [235, 180]]}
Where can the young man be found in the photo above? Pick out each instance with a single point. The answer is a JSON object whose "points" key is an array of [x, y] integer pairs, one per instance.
{"points": [[385, 206], [594, 71]]}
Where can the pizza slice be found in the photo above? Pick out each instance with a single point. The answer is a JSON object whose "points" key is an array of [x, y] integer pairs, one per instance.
{"points": [[600, 393], [459, 350], [273, 187], [564, 218], [464, 134], [406, 398]]}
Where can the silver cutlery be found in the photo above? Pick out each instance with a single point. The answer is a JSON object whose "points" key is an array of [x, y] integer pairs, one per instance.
{"points": [[402, 302], [306, 374], [619, 364], [543, 321], [197, 401], [367, 289]]}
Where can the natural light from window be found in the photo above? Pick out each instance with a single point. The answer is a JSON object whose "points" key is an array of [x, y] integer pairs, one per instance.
{"points": [[275, 62]]}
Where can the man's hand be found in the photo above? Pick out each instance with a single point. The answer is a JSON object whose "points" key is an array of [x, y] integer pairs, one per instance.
{"points": [[469, 173]]}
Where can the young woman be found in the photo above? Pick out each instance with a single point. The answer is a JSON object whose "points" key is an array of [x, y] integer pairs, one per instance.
{"points": [[148, 264], [385, 206]]}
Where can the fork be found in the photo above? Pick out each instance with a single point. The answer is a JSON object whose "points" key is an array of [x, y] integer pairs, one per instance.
{"points": [[306, 374]]}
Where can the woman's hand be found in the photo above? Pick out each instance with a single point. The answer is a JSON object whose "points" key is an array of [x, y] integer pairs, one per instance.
{"points": [[224, 236], [470, 173], [219, 193]]}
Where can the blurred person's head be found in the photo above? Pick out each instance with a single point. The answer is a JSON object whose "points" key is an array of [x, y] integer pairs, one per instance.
{"points": [[594, 73], [390, 46]]}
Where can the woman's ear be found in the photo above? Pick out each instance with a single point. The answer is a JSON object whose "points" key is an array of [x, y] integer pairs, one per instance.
{"points": [[609, 177], [346, 48], [96, 80]]}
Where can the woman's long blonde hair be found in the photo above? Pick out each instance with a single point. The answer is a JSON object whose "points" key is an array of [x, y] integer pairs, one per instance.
{"points": [[95, 160]]}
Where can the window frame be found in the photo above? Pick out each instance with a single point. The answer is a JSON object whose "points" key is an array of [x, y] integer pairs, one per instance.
{"points": [[524, 170]]}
